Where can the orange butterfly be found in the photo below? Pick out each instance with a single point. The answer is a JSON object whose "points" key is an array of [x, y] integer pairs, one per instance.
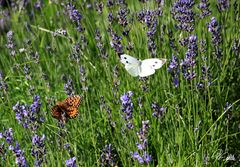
{"points": [[67, 108]]}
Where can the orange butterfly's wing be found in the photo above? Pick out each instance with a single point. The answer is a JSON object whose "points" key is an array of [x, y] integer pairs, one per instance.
{"points": [[72, 104], [73, 101], [69, 106], [57, 112], [72, 113]]}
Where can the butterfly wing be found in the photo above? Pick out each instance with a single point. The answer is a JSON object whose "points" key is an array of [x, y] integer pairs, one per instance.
{"points": [[133, 70], [57, 112], [72, 113], [71, 105], [154, 63], [146, 70], [132, 65], [73, 101], [148, 66], [128, 60]]}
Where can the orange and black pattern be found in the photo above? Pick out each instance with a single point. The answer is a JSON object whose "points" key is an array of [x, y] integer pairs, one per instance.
{"points": [[67, 108]]}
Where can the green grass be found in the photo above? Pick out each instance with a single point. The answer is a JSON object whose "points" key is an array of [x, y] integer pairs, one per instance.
{"points": [[195, 129]]}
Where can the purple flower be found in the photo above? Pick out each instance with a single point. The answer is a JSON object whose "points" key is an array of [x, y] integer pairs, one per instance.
{"points": [[116, 83], [142, 157], [108, 156], [227, 106], [215, 29], [8, 135], [183, 13], [99, 7], [149, 17], [66, 146], [129, 124], [174, 70], [127, 108], [152, 47], [74, 15], [19, 154], [19, 4], [122, 17], [142, 134], [206, 78], [110, 18], [204, 7], [35, 56], [158, 111], [172, 40], [68, 87], [83, 78], [147, 158], [29, 116], [20, 158], [100, 46], [138, 157], [125, 99], [202, 46], [189, 62], [102, 103], [110, 3], [76, 52], [38, 5], [11, 148], [3, 84], [11, 43], [38, 150], [140, 105], [27, 72], [142, 145], [235, 47], [71, 162], [223, 5], [116, 42], [35, 106]]}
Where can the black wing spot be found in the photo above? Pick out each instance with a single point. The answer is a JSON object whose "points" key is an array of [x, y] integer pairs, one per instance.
{"points": [[126, 61], [125, 57], [156, 62], [153, 65]]}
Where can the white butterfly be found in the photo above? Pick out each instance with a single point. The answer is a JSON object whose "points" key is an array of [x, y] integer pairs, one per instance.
{"points": [[142, 68]]}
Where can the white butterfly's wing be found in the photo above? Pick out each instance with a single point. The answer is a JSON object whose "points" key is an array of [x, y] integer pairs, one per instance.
{"points": [[133, 70], [154, 63], [132, 65], [146, 70], [129, 60], [148, 66]]}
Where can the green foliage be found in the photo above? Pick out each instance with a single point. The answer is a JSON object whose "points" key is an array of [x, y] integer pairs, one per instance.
{"points": [[196, 129]]}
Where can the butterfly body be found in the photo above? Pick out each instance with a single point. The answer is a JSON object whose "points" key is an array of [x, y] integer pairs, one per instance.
{"points": [[142, 68], [67, 108]]}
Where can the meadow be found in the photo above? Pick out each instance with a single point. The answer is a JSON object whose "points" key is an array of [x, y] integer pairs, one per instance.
{"points": [[186, 114]]}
